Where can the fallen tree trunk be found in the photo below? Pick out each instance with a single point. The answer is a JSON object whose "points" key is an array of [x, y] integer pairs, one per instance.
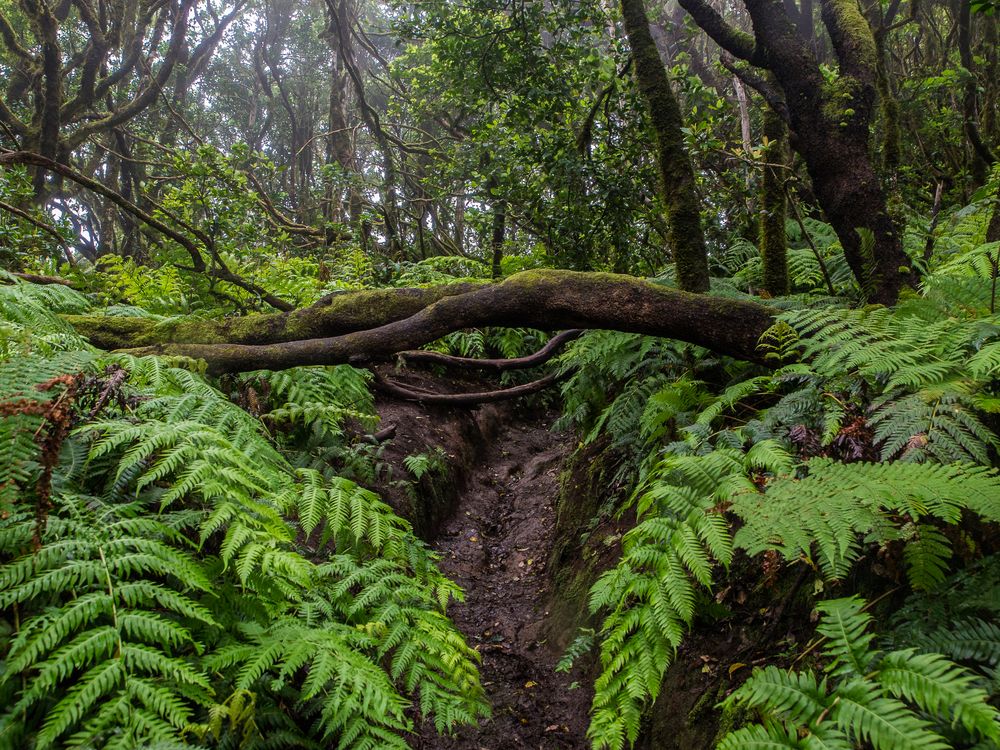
{"points": [[332, 316], [370, 327]]}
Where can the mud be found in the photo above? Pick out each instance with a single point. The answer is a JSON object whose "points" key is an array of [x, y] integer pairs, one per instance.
{"points": [[495, 546]]}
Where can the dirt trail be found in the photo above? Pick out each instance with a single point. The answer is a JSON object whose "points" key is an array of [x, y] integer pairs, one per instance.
{"points": [[495, 546]]}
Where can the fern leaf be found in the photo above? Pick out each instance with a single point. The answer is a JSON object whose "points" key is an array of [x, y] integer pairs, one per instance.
{"points": [[941, 688], [798, 696], [845, 626], [884, 722]]}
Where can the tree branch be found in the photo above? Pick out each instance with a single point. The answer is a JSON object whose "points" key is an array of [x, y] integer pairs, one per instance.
{"points": [[198, 262], [538, 299], [38, 223], [334, 315], [772, 95], [397, 390], [737, 43], [34, 278], [547, 352]]}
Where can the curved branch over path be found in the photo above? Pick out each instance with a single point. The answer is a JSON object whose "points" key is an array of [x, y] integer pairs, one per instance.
{"points": [[398, 390], [543, 355], [549, 300]]}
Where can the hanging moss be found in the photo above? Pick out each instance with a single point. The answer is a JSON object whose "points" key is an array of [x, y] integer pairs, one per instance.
{"points": [[773, 245]]}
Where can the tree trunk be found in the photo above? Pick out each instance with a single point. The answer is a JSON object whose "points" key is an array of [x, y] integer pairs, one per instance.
{"points": [[678, 186], [385, 322], [773, 245], [832, 125], [982, 158], [499, 231]]}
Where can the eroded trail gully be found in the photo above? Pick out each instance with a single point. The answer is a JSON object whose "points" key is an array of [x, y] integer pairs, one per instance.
{"points": [[495, 546]]}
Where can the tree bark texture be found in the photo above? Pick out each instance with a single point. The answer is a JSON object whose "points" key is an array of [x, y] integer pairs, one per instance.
{"points": [[365, 328], [683, 209], [831, 124], [773, 244]]}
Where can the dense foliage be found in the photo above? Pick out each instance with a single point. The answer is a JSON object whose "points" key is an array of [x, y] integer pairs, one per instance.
{"points": [[192, 560], [176, 573]]}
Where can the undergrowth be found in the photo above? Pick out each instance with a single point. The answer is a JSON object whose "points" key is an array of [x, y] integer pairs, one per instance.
{"points": [[870, 435], [178, 570], [197, 562]]}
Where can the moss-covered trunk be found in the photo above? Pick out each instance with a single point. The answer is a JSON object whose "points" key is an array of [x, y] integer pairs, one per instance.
{"points": [[676, 174], [832, 125], [550, 300], [773, 245]]}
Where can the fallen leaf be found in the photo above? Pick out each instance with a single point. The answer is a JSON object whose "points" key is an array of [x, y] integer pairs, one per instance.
{"points": [[530, 684]]}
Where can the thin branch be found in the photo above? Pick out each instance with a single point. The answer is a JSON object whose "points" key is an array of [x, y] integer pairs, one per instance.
{"points": [[547, 352], [772, 95], [221, 272], [809, 239], [47, 228], [37, 160], [397, 390]]}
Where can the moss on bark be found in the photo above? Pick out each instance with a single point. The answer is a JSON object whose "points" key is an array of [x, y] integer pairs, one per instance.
{"points": [[773, 244], [547, 299], [676, 174], [332, 316]]}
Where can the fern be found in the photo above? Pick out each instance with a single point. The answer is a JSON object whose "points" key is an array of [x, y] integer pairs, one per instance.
{"points": [[959, 620], [113, 644], [420, 464], [866, 696], [836, 504], [192, 582], [927, 407], [582, 644], [651, 593], [30, 319]]}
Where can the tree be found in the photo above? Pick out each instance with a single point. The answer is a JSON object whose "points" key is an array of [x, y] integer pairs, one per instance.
{"points": [[831, 124], [773, 243], [369, 327], [687, 243]]}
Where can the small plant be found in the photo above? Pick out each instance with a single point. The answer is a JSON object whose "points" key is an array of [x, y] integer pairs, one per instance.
{"points": [[431, 462]]}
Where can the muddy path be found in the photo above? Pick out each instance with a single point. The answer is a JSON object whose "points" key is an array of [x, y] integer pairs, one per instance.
{"points": [[495, 546]]}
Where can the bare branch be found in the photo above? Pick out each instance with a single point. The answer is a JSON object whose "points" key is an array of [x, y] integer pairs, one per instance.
{"points": [[397, 390], [547, 352], [220, 271]]}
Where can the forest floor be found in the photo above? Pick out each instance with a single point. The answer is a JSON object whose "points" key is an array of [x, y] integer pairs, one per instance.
{"points": [[495, 546]]}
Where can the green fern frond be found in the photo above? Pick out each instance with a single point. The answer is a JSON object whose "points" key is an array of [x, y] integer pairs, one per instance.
{"points": [[835, 504], [848, 642], [926, 553], [861, 702], [864, 714], [798, 696], [941, 688]]}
